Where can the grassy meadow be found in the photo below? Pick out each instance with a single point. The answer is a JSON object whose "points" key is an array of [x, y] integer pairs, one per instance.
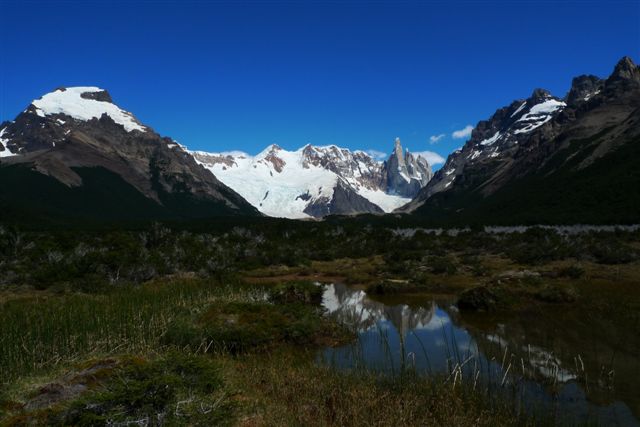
{"points": [[176, 327]]}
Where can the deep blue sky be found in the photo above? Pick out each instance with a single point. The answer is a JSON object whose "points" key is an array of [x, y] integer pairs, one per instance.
{"points": [[220, 75]]}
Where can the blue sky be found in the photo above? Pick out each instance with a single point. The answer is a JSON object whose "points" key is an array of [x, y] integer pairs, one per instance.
{"points": [[241, 75]]}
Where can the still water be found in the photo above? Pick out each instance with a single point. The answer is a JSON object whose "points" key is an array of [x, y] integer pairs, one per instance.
{"points": [[503, 355]]}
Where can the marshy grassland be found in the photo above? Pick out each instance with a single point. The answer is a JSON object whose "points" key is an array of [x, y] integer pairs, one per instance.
{"points": [[162, 326], [198, 352]]}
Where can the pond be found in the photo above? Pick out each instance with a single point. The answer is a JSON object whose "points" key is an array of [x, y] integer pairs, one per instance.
{"points": [[542, 359]]}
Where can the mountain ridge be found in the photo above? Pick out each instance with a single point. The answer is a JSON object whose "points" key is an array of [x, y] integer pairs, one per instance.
{"points": [[79, 128], [316, 181], [507, 155]]}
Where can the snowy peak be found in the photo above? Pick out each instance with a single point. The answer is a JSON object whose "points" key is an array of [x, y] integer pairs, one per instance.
{"points": [[625, 69], [84, 103], [270, 150], [406, 173], [72, 130], [356, 167], [315, 181], [499, 137], [540, 111], [521, 117], [56, 117], [518, 138]]}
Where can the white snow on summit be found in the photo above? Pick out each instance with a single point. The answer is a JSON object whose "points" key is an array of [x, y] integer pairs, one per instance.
{"points": [[3, 142], [491, 140], [539, 114], [283, 183], [69, 102], [274, 193], [519, 109]]}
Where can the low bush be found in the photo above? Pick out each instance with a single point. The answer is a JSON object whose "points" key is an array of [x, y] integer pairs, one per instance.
{"points": [[296, 292], [178, 388]]}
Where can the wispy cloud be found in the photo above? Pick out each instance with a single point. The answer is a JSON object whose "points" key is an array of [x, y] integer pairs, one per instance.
{"points": [[463, 133], [435, 138], [377, 155], [431, 157], [234, 153]]}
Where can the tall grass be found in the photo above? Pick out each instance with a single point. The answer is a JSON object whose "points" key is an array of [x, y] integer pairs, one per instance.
{"points": [[41, 332], [530, 381], [288, 391]]}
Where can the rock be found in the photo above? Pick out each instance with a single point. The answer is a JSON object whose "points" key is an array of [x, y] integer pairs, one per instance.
{"points": [[102, 96], [69, 386], [53, 393], [518, 275], [406, 174], [479, 298], [583, 88], [345, 201]]}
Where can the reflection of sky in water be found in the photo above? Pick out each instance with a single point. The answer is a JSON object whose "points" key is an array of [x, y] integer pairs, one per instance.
{"points": [[393, 338]]}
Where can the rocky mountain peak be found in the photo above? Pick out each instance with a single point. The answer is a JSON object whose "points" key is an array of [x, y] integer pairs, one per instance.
{"points": [[397, 152], [583, 88], [626, 69], [320, 180], [519, 138], [539, 95], [72, 130], [273, 148], [83, 103], [406, 173], [624, 80]]}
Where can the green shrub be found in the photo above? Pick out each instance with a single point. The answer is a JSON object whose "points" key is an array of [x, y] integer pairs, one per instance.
{"points": [[296, 292], [572, 271], [613, 252], [443, 264], [238, 327], [176, 389]]}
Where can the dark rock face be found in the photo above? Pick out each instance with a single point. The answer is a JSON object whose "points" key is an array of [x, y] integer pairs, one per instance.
{"points": [[345, 201], [479, 298], [625, 71], [405, 173], [494, 142], [541, 137], [346, 164], [624, 82], [56, 144], [582, 88], [98, 96]]}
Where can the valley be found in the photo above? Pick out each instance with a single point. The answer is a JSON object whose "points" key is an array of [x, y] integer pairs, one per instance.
{"points": [[359, 310], [488, 276]]}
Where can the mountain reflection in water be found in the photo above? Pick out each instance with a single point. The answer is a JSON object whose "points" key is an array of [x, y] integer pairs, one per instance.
{"points": [[395, 338]]}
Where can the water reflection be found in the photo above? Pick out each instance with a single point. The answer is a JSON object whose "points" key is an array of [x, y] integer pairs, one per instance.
{"points": [[393, 338]]}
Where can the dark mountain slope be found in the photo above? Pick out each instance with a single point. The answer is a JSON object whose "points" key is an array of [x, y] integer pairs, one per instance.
{"points": [[74, 154], [573, 163]]}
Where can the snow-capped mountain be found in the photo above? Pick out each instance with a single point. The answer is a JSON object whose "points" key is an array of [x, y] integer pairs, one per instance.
{"points": [[317, 181], [499, 136], [85, 150], [547, 154]]}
